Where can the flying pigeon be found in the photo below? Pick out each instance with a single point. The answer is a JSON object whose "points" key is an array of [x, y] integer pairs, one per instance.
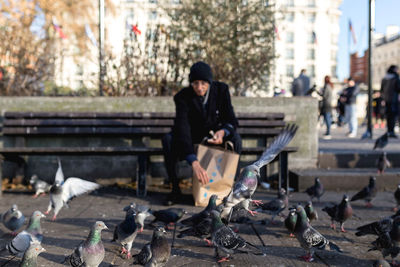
{"points": [[13, 219], [125, 232], [19, 244], [142, 212], [224, 238], [316, 190], [309, 238], [397, 197], [30, 256], [340, 213], [382, 141], [311, 212], [59, 178], [41, 187], [89, 253], [62, 193], [367, 193], [155, 253], [199, 224], [246, 183], [382, 163], [290, 221], [277, 205]]}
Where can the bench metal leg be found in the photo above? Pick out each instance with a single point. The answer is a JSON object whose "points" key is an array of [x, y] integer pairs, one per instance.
{"points": [[1, 176], [283, 170], [141, 189]]}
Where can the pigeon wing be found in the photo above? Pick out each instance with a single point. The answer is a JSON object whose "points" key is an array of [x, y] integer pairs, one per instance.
{"points": [[361, 194], [277, 145], [19, 244], [59, 179], [75, 186]]}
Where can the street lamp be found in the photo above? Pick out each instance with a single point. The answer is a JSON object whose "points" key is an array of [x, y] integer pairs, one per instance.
{"points": [[101, 47]]}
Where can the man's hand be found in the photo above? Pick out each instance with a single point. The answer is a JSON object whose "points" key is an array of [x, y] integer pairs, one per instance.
{"points": [[217, 138], [200, 173]]}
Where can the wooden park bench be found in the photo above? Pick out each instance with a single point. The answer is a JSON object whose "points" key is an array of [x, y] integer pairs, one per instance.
{"points": [[154, 125]]}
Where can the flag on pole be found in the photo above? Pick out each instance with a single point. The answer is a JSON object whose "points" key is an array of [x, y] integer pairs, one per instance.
{"points": [[277, 33], [136, 30], [314, 38], [58, 29], [90, 34], [353, 33]]}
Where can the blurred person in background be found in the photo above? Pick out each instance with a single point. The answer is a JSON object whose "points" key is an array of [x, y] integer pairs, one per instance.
{"points": [[326, 105], [349, 99], [390, 88]]}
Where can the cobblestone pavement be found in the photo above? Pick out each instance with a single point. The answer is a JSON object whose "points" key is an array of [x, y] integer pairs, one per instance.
{"points": [[72, 225]]}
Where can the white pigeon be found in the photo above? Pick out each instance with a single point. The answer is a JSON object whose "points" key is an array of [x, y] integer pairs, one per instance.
{"points": [[59, 174], [61, 194]]}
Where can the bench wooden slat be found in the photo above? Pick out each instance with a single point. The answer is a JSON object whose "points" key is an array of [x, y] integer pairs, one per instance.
{"points": [[131, 115], [121, 122]]}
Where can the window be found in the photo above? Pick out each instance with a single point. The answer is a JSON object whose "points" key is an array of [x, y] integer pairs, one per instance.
{"points": [[289, 2], [289, 16], [153, 15], [334, 39], [289, 53], [333, 71], [290, 37], [311, 54], [289, 70], [333, 55], [264, 2], [311, 17], [153, 1], [311, 38], [311, 70], [311, 3]]}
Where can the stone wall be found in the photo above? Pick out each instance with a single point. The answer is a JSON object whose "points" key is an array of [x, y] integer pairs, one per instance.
{"points": [[300, 110]]}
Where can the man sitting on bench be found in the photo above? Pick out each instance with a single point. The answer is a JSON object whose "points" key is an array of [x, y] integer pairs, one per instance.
{"points": [[203, 106]]}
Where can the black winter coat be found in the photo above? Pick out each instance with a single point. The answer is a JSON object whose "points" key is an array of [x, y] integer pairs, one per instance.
{"points": [[192, 123]]}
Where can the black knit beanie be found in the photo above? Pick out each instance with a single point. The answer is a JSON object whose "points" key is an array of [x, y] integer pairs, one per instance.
{"points": [[200, 71]]}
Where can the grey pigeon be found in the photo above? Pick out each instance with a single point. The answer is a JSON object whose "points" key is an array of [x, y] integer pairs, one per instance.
{"points": [[30, 256], [240, 212], [309, 238], [19, 244], [125, 232], [157, 252], [382, 163], [168, 216], [246, 183], [13, 219], [397, 197], [225, 239], [382, 141], [316, 190], [277, 205], [41, 187], [89, 253], [62, 192], [290, 221], [340, 212], [199, 224], [142, 212], [311, 212], [368, 193], [386, 245]]}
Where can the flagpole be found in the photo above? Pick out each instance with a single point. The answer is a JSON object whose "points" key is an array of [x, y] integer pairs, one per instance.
{"points": [[101, 46]]}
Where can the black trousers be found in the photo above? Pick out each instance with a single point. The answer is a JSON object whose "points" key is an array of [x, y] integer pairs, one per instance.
{"points": [[391, 116], [173, 153]]}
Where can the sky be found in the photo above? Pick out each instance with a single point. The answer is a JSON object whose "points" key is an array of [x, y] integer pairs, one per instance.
{"points": [[386, 13]]}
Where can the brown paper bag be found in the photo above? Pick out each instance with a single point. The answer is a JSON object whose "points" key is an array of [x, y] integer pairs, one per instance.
{"points": [[221, 165]]}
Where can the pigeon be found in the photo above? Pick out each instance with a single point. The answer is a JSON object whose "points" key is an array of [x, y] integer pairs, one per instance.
{"points": [[125, 232], [367, 193], [290, 221], [30, 256], [224, 238], [239, 213], [41, 187], [340, 213], [247, 181], [89, 253], [316, 190], [382, 163], [397, 197], [13, 219], [309, 238], [155, 253], [376, 228], [382, 141], [386, 245], [62, 193], [277, 205], [381, 263], [168, 216], [19, 244], [142, 212], [199, 224], [59, 178], [311, 212]]}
